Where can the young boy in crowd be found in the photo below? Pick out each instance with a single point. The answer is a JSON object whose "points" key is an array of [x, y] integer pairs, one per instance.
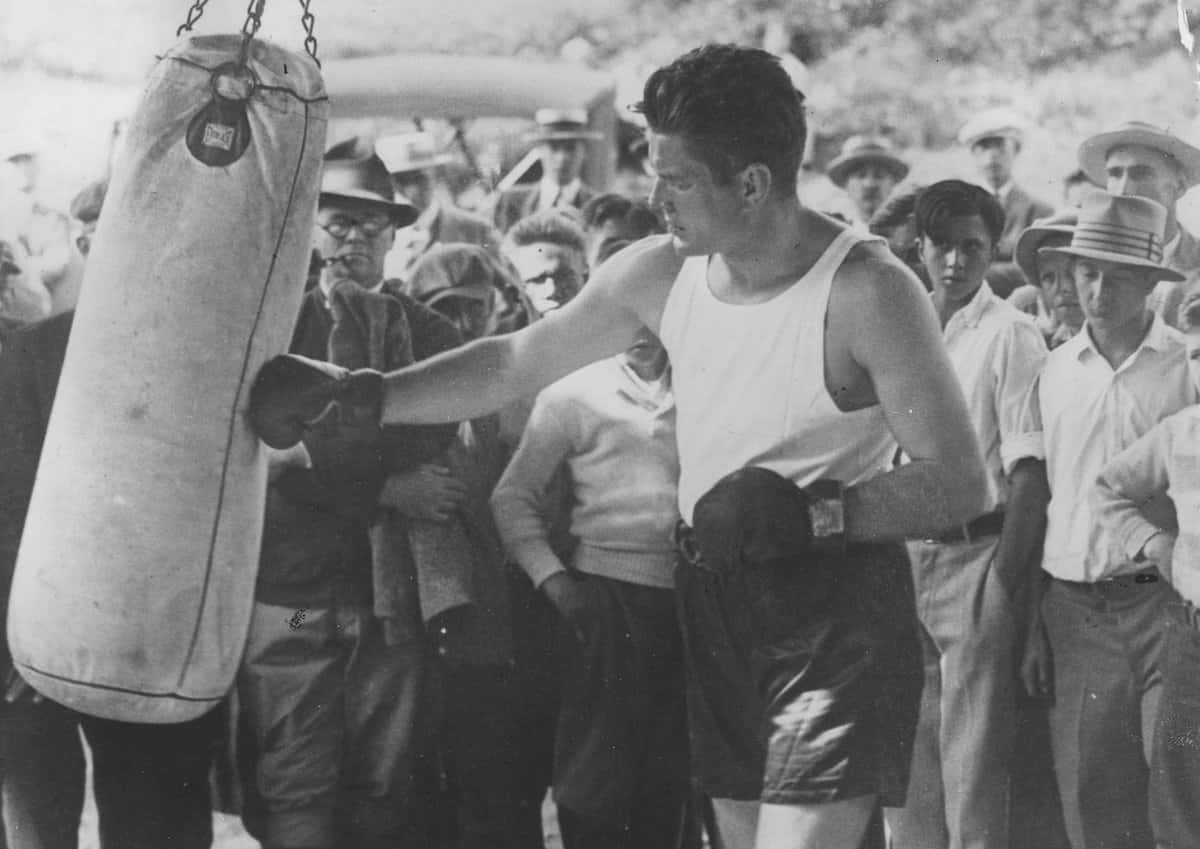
{"points": [[1162, 463], [1103, 605], [620, 776]]}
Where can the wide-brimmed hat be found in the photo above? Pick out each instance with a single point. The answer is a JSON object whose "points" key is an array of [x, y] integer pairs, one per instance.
{"points": [[1093, 153], [997, 122], [352, 171], [562, 125], [1121, 229], [1060, 225], [859, 150], [410, 152]]}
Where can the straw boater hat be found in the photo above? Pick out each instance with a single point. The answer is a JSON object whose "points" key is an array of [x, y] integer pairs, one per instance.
{"points": [[1059, 226], [562, 125], [859, 150], [998, 122], [1124, 230], [410, 152], [1093, 153], [353, 171]]}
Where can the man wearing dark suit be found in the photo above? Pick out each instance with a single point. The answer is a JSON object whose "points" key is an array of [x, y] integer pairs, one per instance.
{"points": [[994, 138], [560, 144], [413, 161], [330, 692]]}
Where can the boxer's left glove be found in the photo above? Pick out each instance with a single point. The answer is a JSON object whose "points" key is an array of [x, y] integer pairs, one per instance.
{"points": [[291, 392], [754, 516]]}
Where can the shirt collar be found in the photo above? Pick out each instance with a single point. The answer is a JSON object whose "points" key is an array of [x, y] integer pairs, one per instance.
{"points": [[972, 313], [1171, 247], [653, 396], [1158, 338], [324, 287], [1004, 191], [550, 190]]}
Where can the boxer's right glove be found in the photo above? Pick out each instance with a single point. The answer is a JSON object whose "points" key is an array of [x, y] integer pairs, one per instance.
{"points": [[291, 392]]}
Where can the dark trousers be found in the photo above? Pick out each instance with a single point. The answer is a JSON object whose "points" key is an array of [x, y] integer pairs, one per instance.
{"points": [[497, 731], [42, 774], [621, 760], [151, 781]]}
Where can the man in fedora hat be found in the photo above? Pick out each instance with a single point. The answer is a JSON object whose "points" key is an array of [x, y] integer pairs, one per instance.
{"points": [[1142, 160], [413, 161], [995, 138], [560, 141], [1095, 650], [330, 701], [867, 170]]}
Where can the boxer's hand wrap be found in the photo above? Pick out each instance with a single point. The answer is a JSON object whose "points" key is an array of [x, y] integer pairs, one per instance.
{"points": [[290, 392]]}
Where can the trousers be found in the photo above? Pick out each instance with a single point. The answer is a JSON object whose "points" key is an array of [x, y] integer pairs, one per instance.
{"points": [[333, 710], [1106, 642], [958, 790]]}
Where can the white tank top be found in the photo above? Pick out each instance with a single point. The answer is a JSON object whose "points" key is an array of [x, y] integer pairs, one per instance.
{"points": [[749, 382]]}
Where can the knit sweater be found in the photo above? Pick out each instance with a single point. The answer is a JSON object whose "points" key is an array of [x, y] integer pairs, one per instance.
{"points": [[616, 436]]}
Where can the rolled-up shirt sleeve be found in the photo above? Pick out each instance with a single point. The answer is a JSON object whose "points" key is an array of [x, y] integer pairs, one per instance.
{"points": [[519, 502], [1024, 431], [1130, 479], [1017, 370]]}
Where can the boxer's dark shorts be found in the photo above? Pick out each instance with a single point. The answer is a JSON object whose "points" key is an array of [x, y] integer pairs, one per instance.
{"points": [[803, 677]]}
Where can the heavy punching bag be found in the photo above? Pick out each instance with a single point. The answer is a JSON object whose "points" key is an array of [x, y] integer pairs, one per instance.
{"points": [[135, 579]]}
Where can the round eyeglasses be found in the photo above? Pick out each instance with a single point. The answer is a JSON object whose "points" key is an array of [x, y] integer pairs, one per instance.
{"points": [[339, 226]]}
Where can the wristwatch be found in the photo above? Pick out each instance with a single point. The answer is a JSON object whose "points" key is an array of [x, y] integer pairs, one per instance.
{"points": [[827, 516]]}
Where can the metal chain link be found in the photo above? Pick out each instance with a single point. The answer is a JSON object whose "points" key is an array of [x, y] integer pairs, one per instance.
{"points": [[309, 20], [193, 15], [250, 28]]}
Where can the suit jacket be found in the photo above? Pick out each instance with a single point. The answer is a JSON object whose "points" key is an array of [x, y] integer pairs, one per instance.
{"points": [[1020, 210], [29, 369], [315, 529], [521, 201]]}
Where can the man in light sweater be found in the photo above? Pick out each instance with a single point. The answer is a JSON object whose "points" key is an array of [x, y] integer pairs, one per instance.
{"points": [[621, 769]]}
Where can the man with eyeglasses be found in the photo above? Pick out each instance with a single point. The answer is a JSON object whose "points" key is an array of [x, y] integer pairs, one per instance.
{"points": [[331, 699]]}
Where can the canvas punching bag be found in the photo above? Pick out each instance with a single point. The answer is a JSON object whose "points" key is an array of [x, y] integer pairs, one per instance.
{"points": [[135, 579]]}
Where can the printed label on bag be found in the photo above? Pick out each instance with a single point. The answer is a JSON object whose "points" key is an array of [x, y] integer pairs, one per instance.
{"points": [[218, 135]]}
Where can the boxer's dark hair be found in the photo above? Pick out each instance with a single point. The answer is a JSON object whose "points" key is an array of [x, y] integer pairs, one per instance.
{"points": [[947, 200], [733, 107]]}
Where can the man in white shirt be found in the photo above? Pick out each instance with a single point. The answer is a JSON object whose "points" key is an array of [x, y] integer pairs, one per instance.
{"points": [[968, 580], [1163, 463], [561, 144], [1102, 608], [1144, 161]]}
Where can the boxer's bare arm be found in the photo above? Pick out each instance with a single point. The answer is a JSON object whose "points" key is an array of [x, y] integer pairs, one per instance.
{"points": [[893, 335], [626, 292]]}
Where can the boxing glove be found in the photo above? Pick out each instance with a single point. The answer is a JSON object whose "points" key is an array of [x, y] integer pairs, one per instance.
{"points": [[291, 392]]}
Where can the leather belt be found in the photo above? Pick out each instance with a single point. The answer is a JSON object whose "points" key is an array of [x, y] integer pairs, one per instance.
{"points": [[987, 525]]}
